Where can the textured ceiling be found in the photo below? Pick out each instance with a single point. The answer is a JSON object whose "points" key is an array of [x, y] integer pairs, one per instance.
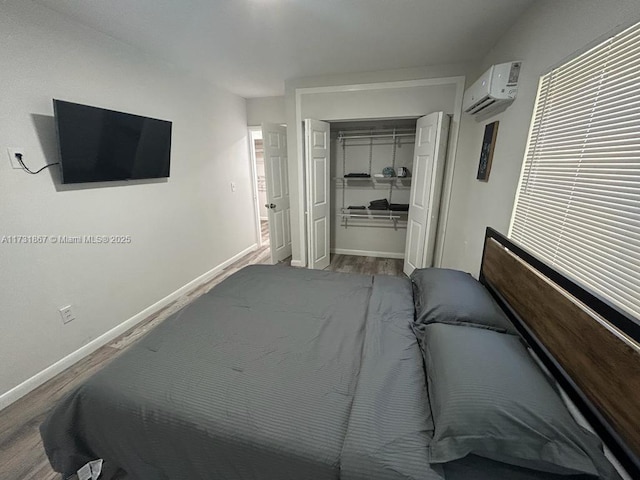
{"points": [[251, 47]]}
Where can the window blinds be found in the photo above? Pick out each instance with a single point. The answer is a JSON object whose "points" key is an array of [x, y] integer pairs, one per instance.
{"points": [[578, 202]]}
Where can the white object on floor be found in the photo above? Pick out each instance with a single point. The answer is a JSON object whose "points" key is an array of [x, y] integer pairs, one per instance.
{"points": [[91, 471]]}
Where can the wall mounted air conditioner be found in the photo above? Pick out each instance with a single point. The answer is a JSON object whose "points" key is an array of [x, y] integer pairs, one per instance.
{"points": [[497, 87]]}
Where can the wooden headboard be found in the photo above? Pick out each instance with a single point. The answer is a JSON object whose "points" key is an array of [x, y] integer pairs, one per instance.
{"points": [[591, 347]]}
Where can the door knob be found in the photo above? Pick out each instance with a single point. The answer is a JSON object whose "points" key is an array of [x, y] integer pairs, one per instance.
{"points": [[270, 205]]}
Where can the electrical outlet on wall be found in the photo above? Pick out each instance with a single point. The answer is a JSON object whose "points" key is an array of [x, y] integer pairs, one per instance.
{"points": [[67, 313], [12, 156]]}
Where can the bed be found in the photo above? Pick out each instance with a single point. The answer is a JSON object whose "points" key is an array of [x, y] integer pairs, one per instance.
{"points": [[285, 373]]}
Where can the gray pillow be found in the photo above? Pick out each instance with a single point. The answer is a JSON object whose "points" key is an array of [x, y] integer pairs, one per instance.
{"points": [[441, 295], [489, 398]]}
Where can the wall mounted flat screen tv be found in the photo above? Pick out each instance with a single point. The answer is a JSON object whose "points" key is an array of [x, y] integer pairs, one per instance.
{"points": [[99, 145]]}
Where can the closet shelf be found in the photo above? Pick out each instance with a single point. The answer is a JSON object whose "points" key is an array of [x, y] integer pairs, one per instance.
{"points": [[394, 216], [391, 179], [395, 133], [367, 213], [361, 181], [353, 179]]}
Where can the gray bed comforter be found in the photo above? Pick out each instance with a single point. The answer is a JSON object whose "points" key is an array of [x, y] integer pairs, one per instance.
{"points": [[277, 373]]}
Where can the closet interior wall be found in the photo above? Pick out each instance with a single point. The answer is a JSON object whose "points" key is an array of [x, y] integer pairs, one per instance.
{"points": [[368, 147]]}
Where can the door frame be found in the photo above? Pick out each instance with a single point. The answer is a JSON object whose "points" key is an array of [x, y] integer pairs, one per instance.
{"points": [[254, 182], [447, 187]]}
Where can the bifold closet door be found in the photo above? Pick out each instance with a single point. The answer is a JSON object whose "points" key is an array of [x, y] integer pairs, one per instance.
{"points": [[277, 180], [318, 198], [432, 133]]}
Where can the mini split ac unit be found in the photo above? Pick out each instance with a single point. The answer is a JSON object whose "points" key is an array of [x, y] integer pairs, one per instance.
{"points": [[497, 87]]}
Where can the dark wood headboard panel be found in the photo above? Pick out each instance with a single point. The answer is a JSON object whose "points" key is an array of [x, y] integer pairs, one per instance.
{"points": [[591, 347]]}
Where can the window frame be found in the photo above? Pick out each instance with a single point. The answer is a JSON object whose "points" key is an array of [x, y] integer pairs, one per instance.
{"points": [[544, 88]]}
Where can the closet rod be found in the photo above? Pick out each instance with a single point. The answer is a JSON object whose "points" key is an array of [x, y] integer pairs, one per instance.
{"points": [[343, 137], [372, 131]]}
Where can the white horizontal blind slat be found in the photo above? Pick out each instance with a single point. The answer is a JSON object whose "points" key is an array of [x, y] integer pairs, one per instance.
{"points": [[578, 201]]}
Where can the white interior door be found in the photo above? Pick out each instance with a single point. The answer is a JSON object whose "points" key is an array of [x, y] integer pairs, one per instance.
{"points": [[318, 198], [432, 132], [274, 138]]}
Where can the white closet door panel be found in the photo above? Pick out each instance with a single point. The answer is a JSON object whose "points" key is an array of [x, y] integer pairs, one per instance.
{"points": [[428, 171], [318, 200]]}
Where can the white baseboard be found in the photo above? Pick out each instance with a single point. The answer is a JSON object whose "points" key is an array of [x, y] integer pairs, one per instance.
{"points": [[48, 373], [297, 263], [366, 253]]}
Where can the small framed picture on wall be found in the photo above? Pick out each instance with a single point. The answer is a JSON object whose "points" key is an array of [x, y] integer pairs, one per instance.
{"points": [[486, 153]]}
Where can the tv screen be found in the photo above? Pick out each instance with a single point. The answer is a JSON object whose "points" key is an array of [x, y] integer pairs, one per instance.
{"points": [[98, 145]]}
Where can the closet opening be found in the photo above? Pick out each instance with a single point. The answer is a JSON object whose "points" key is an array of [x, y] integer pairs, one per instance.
{"points": [[371, 174], [373, 189]]}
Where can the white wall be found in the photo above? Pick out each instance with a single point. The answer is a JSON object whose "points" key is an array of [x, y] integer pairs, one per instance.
{"points": [[547, 33], [179, 228], [387, 103], [265, 110], [358, 106]]}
